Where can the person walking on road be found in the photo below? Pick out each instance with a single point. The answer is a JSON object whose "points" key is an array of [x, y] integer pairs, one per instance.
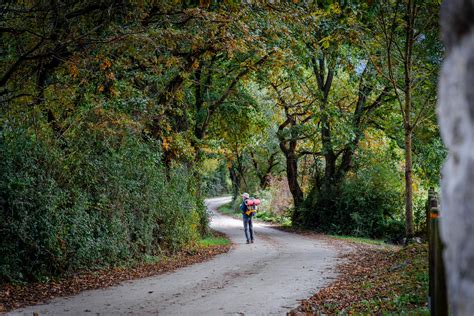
{"points": [[247, 217]]}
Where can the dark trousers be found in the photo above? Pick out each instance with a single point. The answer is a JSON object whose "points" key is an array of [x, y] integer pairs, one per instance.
{"points": [[248, 227]]}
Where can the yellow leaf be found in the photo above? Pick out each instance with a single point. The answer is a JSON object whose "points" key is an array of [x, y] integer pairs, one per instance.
{"points": [[73, 70], [106, 64], [166, 143], [110, 76]]}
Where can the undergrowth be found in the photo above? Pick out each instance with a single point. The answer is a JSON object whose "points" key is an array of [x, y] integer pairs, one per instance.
{"points": [[374, 280], [263, 215]]}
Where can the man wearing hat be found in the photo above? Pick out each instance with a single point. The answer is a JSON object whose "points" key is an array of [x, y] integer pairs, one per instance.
{"points": [[248, 225]]}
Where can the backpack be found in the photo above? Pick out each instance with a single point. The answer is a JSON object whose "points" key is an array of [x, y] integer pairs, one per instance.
{"points": [[252, 206]]}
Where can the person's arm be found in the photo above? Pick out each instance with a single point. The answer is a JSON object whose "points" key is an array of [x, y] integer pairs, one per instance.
{"points": [[243, 207]]}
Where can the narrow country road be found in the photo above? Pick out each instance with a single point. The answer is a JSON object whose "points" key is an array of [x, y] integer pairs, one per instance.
{"points": [[267, 277]]}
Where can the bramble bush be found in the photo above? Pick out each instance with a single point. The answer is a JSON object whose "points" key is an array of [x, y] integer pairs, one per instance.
{"points": [[90, 200]]}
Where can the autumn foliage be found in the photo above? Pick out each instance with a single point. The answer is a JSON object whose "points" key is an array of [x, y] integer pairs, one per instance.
{"points": [[118, 117]]}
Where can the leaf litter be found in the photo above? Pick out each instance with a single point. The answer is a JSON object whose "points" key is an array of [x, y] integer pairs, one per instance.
{"points": [[374, 280]]}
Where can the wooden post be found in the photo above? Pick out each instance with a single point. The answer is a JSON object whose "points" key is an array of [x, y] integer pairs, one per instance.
{"points": [[431, 256], [431, 195], [438, 294]]}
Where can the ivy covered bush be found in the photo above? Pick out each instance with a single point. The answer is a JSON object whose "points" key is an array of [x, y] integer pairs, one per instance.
{"points": [[88, 201]]}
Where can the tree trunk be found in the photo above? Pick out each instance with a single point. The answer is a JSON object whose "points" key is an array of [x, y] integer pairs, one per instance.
{"points": [[456, 118], [292, 177], [265, 175], [265, 181], [408, 186], [295, 189], [409, 43], [324, 81], [235, 178]]}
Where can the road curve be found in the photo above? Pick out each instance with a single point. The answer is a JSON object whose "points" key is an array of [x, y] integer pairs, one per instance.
{"points": [[264, 278]]}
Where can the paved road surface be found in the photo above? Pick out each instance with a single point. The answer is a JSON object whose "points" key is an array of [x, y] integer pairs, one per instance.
{"points": [[264, 278]]}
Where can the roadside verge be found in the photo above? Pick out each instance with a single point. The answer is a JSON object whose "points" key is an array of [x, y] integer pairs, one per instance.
{"points": [[14, 296]]}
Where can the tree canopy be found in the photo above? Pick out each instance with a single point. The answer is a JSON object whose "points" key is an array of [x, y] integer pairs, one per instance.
{"points": [[118, 117]]}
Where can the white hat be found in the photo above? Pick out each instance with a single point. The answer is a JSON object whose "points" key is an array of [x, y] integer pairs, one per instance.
{"points": [[245, 195]]}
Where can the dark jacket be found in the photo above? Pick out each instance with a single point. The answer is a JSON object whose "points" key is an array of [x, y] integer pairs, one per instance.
{"points": [[243, 208]]}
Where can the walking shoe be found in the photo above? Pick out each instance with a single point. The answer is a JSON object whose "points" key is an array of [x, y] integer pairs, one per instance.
{"points": [[248, 242], [252, 241]]}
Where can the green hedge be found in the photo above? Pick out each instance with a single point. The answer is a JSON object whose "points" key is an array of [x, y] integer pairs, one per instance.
{"points": [[103, 201], [368, 203]]}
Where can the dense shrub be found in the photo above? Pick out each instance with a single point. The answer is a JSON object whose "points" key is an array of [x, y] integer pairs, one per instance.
{"points": [[368, 203], [92, 200]]}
